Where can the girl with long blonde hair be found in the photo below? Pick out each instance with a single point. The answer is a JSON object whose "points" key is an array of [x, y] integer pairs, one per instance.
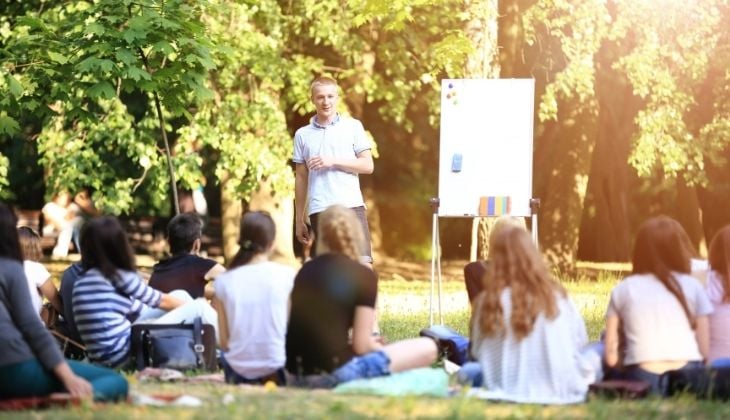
{"points": [[526, 333]]}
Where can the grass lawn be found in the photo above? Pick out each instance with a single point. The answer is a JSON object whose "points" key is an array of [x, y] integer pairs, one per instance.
{"points": [[404, 310]]}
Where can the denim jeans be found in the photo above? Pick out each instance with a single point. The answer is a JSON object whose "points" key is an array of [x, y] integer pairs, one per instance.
{"points": [[232, 377], [470, 374], [371, 365], [657, 381]]}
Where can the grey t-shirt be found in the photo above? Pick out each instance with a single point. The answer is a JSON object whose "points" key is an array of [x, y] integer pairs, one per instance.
{"points": [[23, 335]]}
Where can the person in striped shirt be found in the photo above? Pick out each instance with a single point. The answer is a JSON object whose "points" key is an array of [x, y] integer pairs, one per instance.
{"points": [[110, 295]]}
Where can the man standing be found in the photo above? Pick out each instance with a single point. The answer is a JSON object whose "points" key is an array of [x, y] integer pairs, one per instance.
{"points": [[329, 153]]}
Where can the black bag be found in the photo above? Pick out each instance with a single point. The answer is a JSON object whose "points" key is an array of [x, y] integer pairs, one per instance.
{"points": [[174, 346], [704, 382]]}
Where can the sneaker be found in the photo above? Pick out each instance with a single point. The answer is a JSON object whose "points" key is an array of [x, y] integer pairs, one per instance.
{"points": [[452, 345]]}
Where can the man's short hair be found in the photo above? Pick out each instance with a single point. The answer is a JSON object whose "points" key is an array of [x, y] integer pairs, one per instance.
{"points": [[322, 81], [182, 231]]}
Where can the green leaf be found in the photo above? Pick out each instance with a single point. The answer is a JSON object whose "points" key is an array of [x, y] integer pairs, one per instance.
{"points": [[58, 58], [102, 90], [126, 56], [137, 73], [16, 89], [8, 125]]}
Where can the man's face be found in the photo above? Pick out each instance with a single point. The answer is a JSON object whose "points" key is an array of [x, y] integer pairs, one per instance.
{"points": [[324, 98]]}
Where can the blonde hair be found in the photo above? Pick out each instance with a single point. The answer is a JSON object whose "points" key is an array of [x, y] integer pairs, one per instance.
{"points": [[322, 81], [340, 232], [516, 264], [30, 244], [502, 223]]}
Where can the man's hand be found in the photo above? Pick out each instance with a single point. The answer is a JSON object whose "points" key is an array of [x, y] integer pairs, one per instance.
{"points": [[303, 233], [320, 162]]}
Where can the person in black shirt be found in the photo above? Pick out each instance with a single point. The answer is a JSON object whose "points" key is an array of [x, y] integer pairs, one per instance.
{"points": [[334, 293], [185, 269]]}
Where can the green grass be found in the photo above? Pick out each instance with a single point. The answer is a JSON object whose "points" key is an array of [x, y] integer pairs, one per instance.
{"points": [[403, 308]]}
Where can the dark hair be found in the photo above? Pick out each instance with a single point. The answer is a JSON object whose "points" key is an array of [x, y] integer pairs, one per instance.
{"points": [[182, 231], [9, 244], [258, 232], [104, 246], [30, 243], [660, 249], [719, 258]]}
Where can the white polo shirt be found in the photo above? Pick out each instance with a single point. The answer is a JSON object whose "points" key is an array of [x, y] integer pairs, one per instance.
{"points": [[344, 137]]}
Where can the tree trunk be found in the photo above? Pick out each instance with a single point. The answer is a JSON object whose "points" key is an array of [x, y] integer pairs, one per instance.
{"points": [[281, 209], [484, 63], [231, 211], [605, 229], [562, 160]]}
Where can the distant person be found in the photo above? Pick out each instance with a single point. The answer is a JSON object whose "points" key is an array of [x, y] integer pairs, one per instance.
{"points": [[526, 334], [110, 295], [40, 283], [475, 271], [660, 310], [334, 294], [329, 154], [185, 269], [252, 301], [718, 289], [59, 215], [31, 364]]}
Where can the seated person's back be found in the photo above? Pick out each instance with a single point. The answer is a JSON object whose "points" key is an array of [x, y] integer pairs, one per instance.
{"points": [[185, 269]]}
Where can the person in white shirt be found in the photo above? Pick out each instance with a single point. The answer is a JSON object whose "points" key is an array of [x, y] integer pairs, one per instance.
{"points": [[39, 279], [526, 334], [660, 311], [252, 301]]}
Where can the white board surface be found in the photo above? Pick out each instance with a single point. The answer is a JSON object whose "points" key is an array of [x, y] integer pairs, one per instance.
{"points": [[489, 122]]}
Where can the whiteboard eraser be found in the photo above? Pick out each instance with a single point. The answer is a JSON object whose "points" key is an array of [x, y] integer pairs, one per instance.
{"points": [[456, 162]]}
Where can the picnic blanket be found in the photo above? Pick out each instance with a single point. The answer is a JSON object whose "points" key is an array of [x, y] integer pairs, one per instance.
{"points": [[423, 381]]}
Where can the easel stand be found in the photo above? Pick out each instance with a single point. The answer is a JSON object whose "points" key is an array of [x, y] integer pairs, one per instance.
{"points": [[435, 259], [436, 251]]}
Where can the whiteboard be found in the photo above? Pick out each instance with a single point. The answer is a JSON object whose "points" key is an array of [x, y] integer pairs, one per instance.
{"points": [[489, 123]]}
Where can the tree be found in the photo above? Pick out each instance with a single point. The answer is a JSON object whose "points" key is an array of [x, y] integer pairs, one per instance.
{"points": [[70, 66]]}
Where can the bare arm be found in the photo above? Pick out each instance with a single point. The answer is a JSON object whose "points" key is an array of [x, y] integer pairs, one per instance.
{"points": [[611, 341], [702, 333], [214, 272], [76, 386], [168, 302], [223, 333], [301, 181], [49, 291], [363, 340], [361, 164]]}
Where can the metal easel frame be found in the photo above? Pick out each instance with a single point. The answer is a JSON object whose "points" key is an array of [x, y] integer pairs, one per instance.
{"points": [[436, 251]]}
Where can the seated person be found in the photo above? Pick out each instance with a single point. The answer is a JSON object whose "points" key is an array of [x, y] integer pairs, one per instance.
{"points": [[66, 325], [334, 294], [526, 334], [62, 216], [31, 364], [252, 301], [39, 279], [718, 289], [110, 295], [660, 310], [185, 269], [474, 271]]}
